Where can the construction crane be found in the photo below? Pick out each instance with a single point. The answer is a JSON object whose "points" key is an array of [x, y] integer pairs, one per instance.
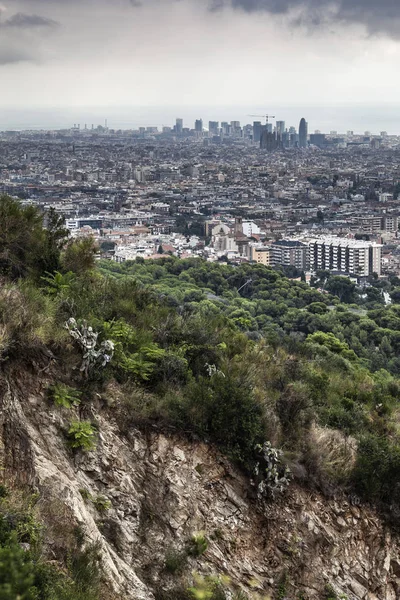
{"points": [[266, 117]]}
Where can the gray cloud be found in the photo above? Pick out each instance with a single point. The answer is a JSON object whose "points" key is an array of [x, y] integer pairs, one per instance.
{"points": [[378, 16], [24, 21], [10, 56]]}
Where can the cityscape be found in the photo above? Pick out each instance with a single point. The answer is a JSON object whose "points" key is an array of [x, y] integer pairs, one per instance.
{"points": [[262, 192], [199, 300]]}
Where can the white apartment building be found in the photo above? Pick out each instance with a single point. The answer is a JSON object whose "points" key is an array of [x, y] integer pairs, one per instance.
{"points": [[355, 257]]}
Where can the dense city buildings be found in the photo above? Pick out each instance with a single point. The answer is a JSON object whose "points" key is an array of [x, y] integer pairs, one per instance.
{"points": [[254, 192]]}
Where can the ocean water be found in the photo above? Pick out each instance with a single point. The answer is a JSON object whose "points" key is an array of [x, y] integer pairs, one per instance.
{"points": [[358, 118]]}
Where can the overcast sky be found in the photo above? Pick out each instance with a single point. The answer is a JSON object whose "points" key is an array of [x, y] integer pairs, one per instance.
{"points": [[198, 52]]}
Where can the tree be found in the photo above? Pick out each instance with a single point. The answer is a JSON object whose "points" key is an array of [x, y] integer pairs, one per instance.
{"points": [[16, 574], [26, 246], [342, 287], [80, 256], [21, 237]]}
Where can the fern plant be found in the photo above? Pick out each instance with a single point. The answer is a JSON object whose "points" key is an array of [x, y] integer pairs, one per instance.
{"points": [[81, 435], [65, 396]]}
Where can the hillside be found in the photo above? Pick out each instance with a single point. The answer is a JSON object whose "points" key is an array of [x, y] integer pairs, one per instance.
{"points": [[173, 418]]}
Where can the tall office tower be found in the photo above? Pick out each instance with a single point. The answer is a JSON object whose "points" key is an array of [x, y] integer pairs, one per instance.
{"points": [[303, 132], [226, 128], [213, 127], [257, 131], [198, 126], [292, 130], [280, 128], [269, 127], [236, 130], [179, 126]]}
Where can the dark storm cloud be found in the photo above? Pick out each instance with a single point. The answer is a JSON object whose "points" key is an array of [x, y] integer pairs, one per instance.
{"points": [[376, 15], [23, 21], [383, 15]]}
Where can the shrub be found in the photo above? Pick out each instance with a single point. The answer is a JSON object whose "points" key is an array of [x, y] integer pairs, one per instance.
{"points": [[102, 504], [65, 396], [27, 319], [81, 435], [175, 561], [86, 495], [377, 470], [207, 588], [198, 544], [225, 410], [16, 573]]}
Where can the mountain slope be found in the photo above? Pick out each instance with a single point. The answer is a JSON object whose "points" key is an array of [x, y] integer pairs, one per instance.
{"points": [[165, 488]]}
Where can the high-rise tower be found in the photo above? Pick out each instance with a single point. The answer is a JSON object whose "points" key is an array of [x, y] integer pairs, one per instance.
{"points": [[179, 126], [303, 132]]}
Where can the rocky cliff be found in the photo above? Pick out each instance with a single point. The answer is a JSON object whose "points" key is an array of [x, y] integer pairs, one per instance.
{"points": [[157, 490]]}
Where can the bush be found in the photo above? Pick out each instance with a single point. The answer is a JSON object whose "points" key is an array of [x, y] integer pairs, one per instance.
{"points": [[377, 470], [27, 320], [102, 504], [225, 410], [16, 573], [81, 435], [198, 544], [175, 561]]}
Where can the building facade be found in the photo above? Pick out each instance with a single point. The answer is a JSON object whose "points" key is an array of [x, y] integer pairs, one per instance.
{"points": [[289, 253], [347, 256], [262, 256]]}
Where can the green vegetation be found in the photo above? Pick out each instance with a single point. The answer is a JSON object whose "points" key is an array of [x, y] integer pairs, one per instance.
{"points": [[102, 504], [82, 436], [175, 561], [65, 396], [235, 355], [198, 544], [25, 574]]}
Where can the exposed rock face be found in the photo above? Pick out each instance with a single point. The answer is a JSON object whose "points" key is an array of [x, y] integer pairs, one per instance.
{"points": [[164, 489]]}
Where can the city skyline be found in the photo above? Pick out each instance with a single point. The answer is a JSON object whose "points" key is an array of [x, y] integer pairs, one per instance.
{"points": [[324, 119]]}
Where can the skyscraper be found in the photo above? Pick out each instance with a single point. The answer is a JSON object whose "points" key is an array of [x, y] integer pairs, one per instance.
{"points": [[213, 127], [198, 126], [303, 132], [280, 128], [257, 131], [179, 126]]}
